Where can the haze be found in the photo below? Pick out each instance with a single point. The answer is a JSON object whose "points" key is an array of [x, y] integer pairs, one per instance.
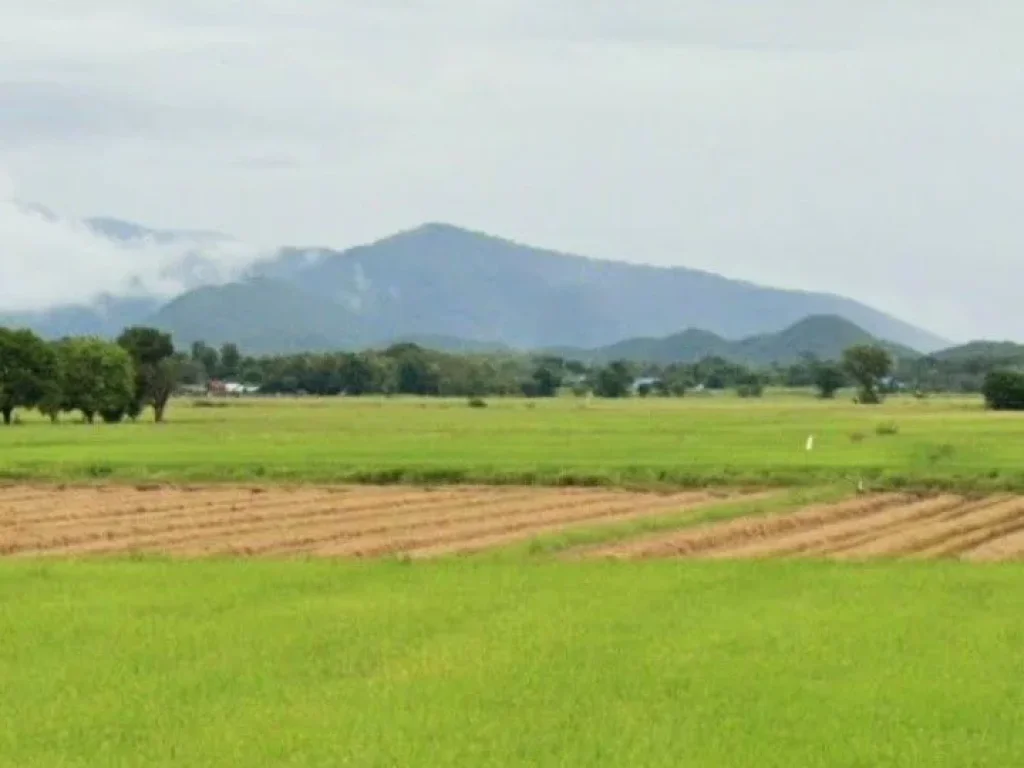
{"points": [[854, 147]]}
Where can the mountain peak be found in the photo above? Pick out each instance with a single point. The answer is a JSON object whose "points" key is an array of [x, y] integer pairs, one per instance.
{"points": [[443, 280]]}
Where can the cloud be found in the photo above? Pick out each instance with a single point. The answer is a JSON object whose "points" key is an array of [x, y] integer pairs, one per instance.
{"points": [[866, 148], [49, 260]]}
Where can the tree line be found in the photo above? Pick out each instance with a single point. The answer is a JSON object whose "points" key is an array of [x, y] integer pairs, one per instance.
{"points": [[120, 379], [408, 369], [112, 380]]}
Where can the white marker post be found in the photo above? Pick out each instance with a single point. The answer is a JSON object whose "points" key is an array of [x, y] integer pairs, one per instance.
{"points": [[810, 442]]}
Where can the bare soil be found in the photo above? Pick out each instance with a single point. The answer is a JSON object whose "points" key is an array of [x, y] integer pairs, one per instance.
{"points": [[348, 521], [865, 527]]}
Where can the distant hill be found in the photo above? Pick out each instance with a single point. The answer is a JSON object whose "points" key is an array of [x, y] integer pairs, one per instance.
{"points": [[444, 283], [441, 281], [1007, 351], [260, 315], [105, 317], [823, 336]]}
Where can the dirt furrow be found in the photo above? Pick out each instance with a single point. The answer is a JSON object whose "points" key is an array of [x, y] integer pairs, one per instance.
{"points": [[523, 524], [154, 510], [295, 539], [813, 541], [59, 504], [34, 499], [1004, 543], [902, 522], [367, 506], [719, 535], [958, 511], [242, 509], [506, 538], [910, 540]]}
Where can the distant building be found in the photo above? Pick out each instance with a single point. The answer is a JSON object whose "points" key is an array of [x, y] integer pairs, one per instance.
{"points": [[230, 388], [645, 384]]}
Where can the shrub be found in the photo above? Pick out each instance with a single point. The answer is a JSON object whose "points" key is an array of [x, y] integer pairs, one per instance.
{"points": [[1004, 391], [857, 437], [112, 415], [887, 428], [477, 402], [751, 387]]}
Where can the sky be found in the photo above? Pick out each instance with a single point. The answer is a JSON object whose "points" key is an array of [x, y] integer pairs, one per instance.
{"points": [[862, 147]]}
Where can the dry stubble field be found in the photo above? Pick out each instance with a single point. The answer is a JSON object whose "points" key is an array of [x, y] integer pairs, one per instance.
{"points": [[359, 521], [367, 521], [874, 526]]}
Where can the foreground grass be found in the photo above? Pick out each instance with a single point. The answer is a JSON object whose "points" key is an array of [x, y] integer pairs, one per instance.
{"points": [[488, 664], [941, 443]]}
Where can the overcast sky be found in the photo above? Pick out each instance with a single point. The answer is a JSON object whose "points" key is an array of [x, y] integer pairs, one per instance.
{"points": [[865, 147]]}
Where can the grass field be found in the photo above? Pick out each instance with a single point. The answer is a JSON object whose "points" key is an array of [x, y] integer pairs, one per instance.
{"points": [[535, 650], [488, 664], [940, 443]]}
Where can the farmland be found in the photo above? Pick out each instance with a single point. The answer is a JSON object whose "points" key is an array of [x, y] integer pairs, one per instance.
{"points": [[256, 662], [648, 582], [939, 442]]}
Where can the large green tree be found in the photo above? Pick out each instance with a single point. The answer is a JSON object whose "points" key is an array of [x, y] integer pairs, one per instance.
{"points": [[207, 357], [614, 380], [156, 368], [28, 371], [828, 379], [99, 378], [867, 365]]}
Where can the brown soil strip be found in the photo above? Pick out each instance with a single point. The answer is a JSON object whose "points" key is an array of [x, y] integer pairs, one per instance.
{"points": [[713, 536], [225, 511], [957, 512], [506, 538], [288, 537], [156, 538], [1006, 543], [96, 509], [910, 540], [833, 535], [111, 517], [523, 525]]}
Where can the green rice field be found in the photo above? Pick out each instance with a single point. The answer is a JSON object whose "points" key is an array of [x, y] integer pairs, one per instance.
{"points": [[484, 664], [939, 442]]}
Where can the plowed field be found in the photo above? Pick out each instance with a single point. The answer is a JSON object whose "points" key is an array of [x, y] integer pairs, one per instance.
{"points": [[883, 525], [355, 521]]}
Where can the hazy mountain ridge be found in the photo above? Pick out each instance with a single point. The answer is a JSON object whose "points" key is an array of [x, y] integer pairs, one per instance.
{"points": [[440, 281], [822, 336]]}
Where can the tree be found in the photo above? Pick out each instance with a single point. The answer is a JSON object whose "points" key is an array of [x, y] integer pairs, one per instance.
{"points": [[207, 357], [750, 385], [28, 371], [156, 372], [867, 365], [828, 379], [230, 360], [544, 381], [99, 376], [613, 380], [54, 399], [1004, 391]]}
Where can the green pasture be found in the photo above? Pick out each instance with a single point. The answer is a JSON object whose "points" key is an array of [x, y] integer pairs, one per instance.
{"points": [[247, 663], [941, 442]]}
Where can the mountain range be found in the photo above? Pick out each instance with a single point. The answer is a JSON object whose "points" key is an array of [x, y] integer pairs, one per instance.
{"points": [[462, 289], [824, 337]]}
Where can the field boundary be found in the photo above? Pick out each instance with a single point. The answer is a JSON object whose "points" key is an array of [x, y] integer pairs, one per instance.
{"points": [[638, 478]]}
